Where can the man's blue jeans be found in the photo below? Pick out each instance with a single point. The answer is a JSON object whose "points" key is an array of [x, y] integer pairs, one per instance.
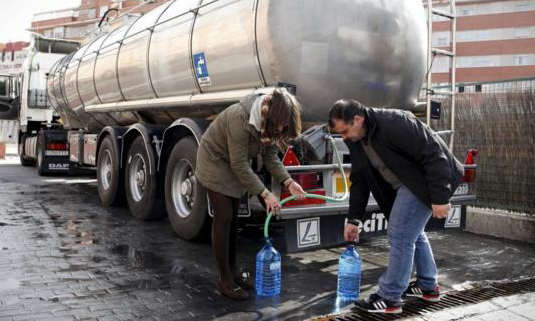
{"points": [[408, 243]]}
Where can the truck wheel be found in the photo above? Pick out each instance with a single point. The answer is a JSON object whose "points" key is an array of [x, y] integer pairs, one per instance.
{"points": [[40, 154], [185, 198], [142, 185], [110, 181], [23, 160]]}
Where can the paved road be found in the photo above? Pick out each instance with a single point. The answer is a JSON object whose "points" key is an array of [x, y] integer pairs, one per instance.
{"points": [[64, 257]]}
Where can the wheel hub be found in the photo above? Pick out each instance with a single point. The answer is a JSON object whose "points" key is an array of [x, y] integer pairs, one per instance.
{"points": [[185, 188], [106, 170], [140, 178]]}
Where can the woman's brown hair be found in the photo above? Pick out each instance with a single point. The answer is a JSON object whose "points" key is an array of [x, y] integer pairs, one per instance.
{"points": [[285, 110]]}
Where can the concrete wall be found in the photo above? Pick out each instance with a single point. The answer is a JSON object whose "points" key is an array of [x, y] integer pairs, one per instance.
{"points": [[500, 224]]}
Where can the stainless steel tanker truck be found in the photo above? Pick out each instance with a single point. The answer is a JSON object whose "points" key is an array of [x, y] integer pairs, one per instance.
{"points": [[136, 101]]}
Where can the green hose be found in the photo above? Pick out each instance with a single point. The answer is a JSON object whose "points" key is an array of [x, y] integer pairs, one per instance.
{"points": [[326, 198]]}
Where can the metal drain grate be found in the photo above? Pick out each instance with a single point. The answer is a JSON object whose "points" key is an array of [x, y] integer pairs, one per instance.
{"points": [[450, 299]]}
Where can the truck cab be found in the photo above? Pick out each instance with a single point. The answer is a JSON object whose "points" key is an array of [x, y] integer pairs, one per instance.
{"points": [[35, 113]]}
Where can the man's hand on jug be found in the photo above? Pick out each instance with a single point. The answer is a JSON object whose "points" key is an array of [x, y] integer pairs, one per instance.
{"points": [[351, 233]]}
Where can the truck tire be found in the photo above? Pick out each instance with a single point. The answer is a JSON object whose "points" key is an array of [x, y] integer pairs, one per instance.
{"points": [[23, 160], [39, 155], [185, 197], [110, 178], [141, 184]]}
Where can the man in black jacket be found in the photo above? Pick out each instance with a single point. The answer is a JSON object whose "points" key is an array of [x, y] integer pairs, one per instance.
{"points": [[412, 175]]}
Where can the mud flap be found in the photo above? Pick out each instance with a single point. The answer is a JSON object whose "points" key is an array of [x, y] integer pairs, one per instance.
{"points": [[314, 233], [53, 160], [327, 231], [56, 165]]}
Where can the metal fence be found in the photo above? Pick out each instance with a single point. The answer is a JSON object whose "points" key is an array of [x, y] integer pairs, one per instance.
{"points": [[498, 119]]}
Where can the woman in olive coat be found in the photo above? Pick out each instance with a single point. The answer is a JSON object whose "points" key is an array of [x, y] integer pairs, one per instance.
{"points": [[254, 126]]}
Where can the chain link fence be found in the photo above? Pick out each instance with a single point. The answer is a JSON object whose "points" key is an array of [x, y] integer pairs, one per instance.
{"points": [[498, 119]]}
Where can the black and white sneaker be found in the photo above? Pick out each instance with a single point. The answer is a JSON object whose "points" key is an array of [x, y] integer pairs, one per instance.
{"points": [[377, 304], [428, 295]]}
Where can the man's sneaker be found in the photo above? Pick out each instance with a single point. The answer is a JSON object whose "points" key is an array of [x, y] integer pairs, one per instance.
{"points": [[377, 304], [431, 295]]}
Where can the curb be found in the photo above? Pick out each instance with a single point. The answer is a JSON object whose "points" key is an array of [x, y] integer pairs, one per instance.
{"points": [[500, 224]]}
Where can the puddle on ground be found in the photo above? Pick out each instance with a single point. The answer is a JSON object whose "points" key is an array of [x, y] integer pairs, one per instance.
{"points": [[8, 291], [67, 250], [177, 267], [145, 259], [98, 259], [75, 268], [41, 236], [138, 259]]}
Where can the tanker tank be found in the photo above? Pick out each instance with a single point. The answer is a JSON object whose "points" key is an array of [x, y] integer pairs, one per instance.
{"points": [[193, 58]]}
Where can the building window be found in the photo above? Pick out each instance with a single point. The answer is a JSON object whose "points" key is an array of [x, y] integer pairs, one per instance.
{"points": [[522, 6], [461, 89], [522, 32], [59, 32], [484, 35], [522, 60], [90, 13], [478, 88], [467, 36], [482, 62], [443, 41], [441, 64], [477, 61], [466, 11]]}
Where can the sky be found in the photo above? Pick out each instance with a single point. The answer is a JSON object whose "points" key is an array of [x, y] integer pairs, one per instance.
{"points": [[16, 16]]}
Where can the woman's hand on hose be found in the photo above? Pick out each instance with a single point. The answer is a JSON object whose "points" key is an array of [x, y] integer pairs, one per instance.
{"points": [[296, 190], [272, 203]]}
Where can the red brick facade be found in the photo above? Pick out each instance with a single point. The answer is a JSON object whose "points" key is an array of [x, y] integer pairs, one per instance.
{"points": [[14, 46], [89, 14], [508, 47], [490, 21]]}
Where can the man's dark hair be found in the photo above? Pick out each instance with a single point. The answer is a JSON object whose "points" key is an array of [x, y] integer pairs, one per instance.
{"points": [[346, 110]]}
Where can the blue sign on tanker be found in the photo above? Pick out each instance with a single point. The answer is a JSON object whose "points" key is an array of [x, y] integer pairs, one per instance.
{"points": [[201, 69]]}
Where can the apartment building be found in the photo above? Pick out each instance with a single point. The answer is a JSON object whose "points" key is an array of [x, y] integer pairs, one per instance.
{"points": [[495, 40], [12, 57], [75, 23]]}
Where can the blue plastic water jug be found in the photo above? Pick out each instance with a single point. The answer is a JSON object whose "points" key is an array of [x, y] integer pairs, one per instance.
{"points": [[349, 267], [268, 270]]}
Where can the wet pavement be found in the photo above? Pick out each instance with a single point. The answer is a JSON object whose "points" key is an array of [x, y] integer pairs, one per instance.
{"points": [[64, 257]]}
